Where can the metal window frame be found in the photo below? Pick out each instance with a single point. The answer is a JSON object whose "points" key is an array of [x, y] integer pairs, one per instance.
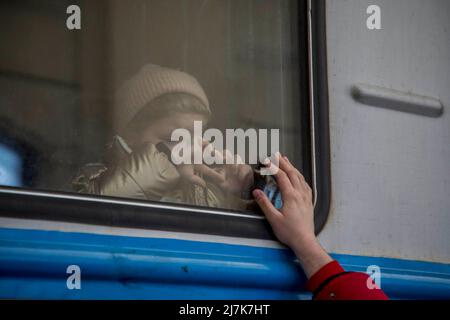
{"points": [[319, 106], [109, 211]]}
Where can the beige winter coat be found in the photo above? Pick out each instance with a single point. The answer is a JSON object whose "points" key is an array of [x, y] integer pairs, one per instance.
{"points": [[147, 174]]}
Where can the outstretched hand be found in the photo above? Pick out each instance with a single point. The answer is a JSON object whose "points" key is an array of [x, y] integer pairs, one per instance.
{"points": [[293, 223]]}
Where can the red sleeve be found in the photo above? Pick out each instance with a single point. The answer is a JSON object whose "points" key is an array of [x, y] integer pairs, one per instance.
{"points": [[331, 282]]}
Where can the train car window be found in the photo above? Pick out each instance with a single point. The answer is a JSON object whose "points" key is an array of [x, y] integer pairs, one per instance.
{"points": [[91, 93]]}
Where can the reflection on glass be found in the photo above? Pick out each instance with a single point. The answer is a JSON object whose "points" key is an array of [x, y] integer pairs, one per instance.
{"points": [[10, 167], [96, 107], [151, 105]]}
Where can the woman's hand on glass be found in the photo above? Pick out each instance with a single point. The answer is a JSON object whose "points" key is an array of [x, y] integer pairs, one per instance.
{"points": [[293, 223]]}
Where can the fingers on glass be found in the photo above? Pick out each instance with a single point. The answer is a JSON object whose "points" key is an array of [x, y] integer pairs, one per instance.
{"points": [[197, 180], [266, 206], [294, 175], [212, 174]]}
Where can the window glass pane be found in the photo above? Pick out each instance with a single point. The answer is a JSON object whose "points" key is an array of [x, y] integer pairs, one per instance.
{"points": [[93, 110]]}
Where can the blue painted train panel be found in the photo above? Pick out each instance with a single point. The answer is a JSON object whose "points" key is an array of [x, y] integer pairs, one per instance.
{"points": [[33, 265]]}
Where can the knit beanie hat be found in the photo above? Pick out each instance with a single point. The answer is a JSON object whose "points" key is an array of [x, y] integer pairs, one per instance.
{"points": [[149, 83]]}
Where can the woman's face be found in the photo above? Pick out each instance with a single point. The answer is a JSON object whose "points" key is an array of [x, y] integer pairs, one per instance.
{"points": [[161, 130]]}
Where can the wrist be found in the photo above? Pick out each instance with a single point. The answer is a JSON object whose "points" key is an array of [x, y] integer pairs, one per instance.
{"points": [[304, 245], [311, 256]]}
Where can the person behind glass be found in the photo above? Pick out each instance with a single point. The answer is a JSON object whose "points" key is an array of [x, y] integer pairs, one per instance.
{"points": [[137, 164], [293, 225]]}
